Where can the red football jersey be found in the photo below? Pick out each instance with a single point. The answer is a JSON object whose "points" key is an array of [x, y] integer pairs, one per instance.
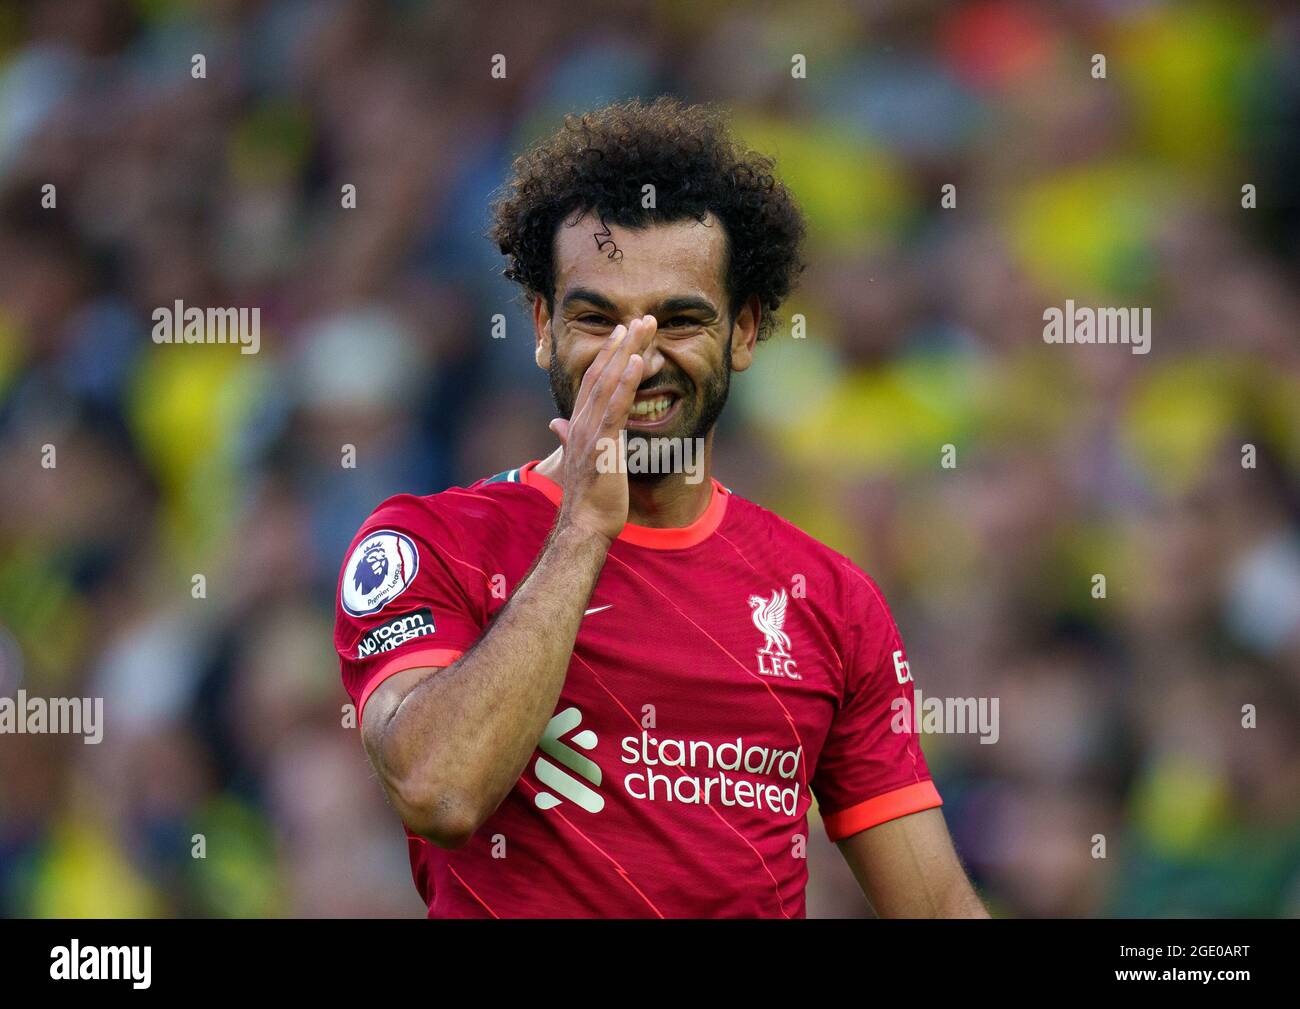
{"points": [[722, 672]]}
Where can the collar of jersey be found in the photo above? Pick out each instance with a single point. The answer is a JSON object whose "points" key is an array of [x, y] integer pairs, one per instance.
{"points": [[644, 536]]}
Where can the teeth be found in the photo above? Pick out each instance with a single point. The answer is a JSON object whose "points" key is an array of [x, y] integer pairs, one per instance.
{"points": [[650, 409]]}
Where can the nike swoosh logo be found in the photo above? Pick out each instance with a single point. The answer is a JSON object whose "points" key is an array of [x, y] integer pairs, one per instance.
{"points": [[596, 609]]}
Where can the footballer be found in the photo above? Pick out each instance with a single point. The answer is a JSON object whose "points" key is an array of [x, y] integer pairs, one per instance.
{"points": [[613, 691]]}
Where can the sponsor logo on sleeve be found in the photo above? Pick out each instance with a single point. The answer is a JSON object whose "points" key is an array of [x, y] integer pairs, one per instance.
{"points": [[380, 569], [397, 631]]}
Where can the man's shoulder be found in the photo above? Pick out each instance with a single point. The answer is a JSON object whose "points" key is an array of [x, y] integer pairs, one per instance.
{"points": [[832, 584], [506, 476], [472, 511], [753, 521]]}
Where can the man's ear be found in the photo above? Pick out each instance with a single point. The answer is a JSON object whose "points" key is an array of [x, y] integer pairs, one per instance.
{"points": [[542, 333], [744, 334]]}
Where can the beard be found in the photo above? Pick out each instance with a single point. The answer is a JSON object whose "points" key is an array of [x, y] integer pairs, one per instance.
{"points": [[701, 406]]}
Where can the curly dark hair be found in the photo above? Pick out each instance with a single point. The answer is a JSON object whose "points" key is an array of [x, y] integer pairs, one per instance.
{"points": [[598, 163]]}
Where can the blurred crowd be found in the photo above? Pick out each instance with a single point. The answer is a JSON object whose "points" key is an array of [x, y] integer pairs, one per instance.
{"points": [[1175, 474]]}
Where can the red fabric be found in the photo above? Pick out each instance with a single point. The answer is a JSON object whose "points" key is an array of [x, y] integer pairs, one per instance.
{"points": [[709, 733]]}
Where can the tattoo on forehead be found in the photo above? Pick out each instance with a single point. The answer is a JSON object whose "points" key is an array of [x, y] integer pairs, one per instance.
{"points": [[604, 238]]}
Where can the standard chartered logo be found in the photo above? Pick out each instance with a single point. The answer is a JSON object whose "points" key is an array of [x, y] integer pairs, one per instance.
{"points": [[559, 781], [681, 771], [700, 772]]}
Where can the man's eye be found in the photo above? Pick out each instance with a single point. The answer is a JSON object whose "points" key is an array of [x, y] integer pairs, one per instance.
{"points": [[680, 322], [591, 319]]}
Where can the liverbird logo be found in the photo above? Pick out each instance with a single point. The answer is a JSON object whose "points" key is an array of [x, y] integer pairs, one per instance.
{"points": [[769, 617]]}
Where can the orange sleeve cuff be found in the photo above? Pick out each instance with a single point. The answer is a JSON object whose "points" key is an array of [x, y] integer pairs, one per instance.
{"points": [[407, 660], [890, 806]]}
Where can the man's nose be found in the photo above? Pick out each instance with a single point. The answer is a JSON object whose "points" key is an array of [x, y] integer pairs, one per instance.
{"points": [[653, 357]]}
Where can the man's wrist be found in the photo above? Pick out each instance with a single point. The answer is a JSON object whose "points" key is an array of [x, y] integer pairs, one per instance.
{"points": [[571, 536]]}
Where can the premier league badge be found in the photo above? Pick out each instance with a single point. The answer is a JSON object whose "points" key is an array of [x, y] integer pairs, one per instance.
{"points": [[379, 570]]}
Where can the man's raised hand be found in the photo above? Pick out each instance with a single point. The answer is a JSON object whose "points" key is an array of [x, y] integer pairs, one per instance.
{"points": [[597, 502]]}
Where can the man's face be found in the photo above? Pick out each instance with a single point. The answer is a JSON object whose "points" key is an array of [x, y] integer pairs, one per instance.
{"points": [[673, 271]]}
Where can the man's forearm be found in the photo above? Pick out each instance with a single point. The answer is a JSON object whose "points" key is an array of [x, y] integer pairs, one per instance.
{"points": [[458, 742], [963, 902], [454, 746], [908, 868]]}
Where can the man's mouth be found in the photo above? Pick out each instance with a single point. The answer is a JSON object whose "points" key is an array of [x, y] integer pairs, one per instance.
{"points": [[653, 407]]}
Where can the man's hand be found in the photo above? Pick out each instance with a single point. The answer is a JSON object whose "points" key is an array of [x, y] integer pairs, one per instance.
{"points": [[594, 501]]}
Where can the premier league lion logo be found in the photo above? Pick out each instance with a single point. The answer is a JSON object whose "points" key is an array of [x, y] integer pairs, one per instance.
{"points": [[380, 569], [371, 570]]}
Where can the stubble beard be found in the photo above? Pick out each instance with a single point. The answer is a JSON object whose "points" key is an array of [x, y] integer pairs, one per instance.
{"points": [[698, 416]]}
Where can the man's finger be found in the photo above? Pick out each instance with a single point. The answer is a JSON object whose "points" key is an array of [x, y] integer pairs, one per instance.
{"points": [[614, 383], [620, 401], [603, 387], [650, 325], [599, 361]]}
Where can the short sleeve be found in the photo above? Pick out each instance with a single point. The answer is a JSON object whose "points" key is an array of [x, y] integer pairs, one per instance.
{"points": [[871, 768], [410, 594]]}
